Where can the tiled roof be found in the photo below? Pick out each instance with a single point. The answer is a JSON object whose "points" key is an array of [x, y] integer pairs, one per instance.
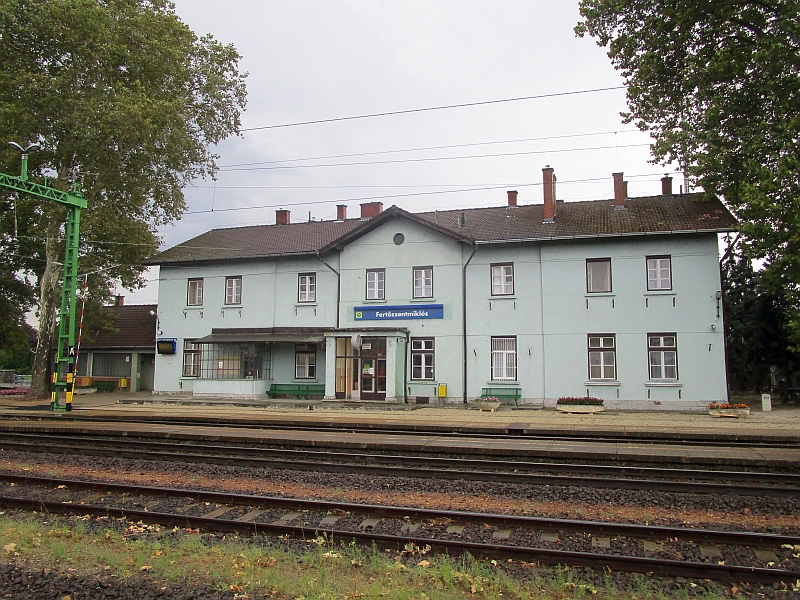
{"points": [[596, 218], [257, 241], [132, 327]]}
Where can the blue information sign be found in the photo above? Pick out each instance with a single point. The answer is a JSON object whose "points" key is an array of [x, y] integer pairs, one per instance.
{"points": [[390, 313]]}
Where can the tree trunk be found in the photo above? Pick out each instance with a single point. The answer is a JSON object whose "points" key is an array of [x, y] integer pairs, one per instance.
{"points": [[48, 296]]}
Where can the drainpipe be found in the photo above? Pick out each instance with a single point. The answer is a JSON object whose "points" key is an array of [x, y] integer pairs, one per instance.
{"points": [[405, 369], [464, 316], [338, 288]]}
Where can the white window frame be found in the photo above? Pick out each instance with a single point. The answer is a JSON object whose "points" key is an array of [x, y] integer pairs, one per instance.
{"points": [[233, 290], [657, 267], [376, 284], [422, 359], [662, 356], [602, 356], [502, 279], [423, 282], [191, 359], [504, 358], [590, 284], [307, 287], [194, 297], [305, 361]]}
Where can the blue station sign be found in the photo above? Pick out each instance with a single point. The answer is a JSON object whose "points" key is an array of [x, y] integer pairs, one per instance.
{"points": [[390, 313]]}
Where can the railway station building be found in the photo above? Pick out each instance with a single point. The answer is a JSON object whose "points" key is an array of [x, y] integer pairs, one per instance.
{"points": [[618, 299]]}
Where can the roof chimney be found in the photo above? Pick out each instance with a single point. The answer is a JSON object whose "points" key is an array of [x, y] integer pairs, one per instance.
{"points": [[120, 301], [371, 209], [341, 212], [666, 185], [549, 180], [512, 197], [282, 216], [620, 190]]}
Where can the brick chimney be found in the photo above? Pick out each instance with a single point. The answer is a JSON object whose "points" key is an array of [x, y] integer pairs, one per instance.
{"points": [[549, 180], [512, 197], [666, 185], [282, 216], [341, 212], [620, 190], [371, 209], [120, 301]]}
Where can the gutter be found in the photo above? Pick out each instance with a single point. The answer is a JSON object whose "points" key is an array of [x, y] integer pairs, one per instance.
{"points": [[464, 318], [338, 288]]}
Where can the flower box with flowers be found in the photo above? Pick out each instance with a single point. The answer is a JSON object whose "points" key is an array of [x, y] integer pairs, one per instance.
{"points": [[580, 405], [489, 403], [739, 411]]}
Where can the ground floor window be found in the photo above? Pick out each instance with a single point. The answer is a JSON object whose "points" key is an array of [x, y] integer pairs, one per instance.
{"points": [[235, 361], [422, 358], [107, 364], [602, 356], [504, 358], [305, 361], [662, 353], [191, 358]]}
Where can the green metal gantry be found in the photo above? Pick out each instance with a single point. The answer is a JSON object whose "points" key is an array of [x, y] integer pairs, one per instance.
{"points": [[64, 373]]}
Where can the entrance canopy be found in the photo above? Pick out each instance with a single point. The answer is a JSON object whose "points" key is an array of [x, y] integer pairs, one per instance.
{"points": [[227, 338]]}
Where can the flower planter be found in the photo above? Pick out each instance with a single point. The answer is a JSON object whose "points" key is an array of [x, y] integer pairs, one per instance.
{"points": [[485, 405], [581, 409], [739, 413]]}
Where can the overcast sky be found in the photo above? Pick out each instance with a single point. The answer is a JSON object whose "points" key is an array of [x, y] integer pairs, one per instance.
{"points": [[311, 60]]}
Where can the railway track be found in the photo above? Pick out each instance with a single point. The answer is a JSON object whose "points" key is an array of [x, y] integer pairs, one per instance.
{"points": [[511, 431], [529, 473], [666, 551]]}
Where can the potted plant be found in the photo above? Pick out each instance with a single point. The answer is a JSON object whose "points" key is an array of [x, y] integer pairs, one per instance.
{"points": [[489, 403], [740, 411], [581, 405]]}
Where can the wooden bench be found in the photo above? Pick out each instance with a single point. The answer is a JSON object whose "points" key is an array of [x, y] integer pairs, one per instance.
{"points": [[301, 391], [507, 395], [104, 386]]}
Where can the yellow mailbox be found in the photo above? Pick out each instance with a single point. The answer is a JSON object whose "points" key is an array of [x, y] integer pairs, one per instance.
{"points": [[442, 390]]}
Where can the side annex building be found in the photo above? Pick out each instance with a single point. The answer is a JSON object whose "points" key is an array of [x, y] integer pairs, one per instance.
{"points": [[618, 299]]}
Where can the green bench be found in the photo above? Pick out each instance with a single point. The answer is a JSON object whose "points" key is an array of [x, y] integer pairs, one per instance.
{"points": [[507, 395], [301, 391], [104, 386]]}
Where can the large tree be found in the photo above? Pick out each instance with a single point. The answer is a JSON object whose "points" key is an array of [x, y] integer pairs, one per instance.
{"points": [[718, 86], [123, 96]]}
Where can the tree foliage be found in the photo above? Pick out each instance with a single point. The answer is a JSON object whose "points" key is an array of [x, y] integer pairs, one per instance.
{"points": [[718, 86], [124, 96]]}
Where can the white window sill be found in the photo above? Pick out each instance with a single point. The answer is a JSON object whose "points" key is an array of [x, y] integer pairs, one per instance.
{"points": [[423, 381], [233, 306], [374, 301], [194, 307], [503, 297], [602, 382], [431, 299], [600, 294], [663, 383], [305, 304], [501, 383], [659, 293], [305, 380]]}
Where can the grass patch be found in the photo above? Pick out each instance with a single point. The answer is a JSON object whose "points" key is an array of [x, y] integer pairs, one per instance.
{"points": [[323, 570]]}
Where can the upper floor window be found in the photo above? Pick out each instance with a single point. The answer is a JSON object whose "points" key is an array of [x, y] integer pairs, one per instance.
{"points": [[503, 280], [233, 290], [662, 355], [307, 287], [602, 356], [504, 358], [659, 273], [598, 275], [194, 296], [305, 361], [376, 284], [421, 358], [423, 282]]}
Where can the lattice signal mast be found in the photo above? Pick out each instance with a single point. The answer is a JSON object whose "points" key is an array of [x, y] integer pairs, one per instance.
{"points": [[64, 373]]}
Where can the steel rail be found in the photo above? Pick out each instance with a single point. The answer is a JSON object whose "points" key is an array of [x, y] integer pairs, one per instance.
{"points": [[415, 459], [655, 438], [580, 559], [420, 514], [430, 473]]}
